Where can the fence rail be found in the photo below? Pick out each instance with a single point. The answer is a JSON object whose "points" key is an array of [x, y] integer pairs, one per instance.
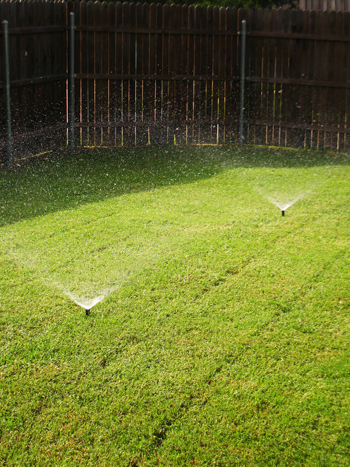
{"points": [[154, 74]]}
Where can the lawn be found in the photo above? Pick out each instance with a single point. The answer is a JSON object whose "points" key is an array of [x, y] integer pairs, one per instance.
{"points": [[223, 335]]}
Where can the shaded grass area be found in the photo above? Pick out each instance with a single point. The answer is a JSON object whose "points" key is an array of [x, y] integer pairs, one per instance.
{"points": [[59, 183], [230, 349]]}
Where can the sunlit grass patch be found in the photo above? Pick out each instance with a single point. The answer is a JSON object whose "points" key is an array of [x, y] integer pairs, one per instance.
{"points": [[223, 335]]}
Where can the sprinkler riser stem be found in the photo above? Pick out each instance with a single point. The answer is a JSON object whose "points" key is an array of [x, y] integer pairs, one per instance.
{"points": [[282, 213], [87, 312]]}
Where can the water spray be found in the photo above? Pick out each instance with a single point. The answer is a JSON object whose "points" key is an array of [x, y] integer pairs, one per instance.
{"points": [[85, 303], [283, 205]]}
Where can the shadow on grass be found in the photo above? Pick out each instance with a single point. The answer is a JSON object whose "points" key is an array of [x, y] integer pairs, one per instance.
{"points": [[61, 182]]}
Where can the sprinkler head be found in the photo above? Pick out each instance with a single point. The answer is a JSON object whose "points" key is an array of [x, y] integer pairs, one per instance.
{"points": [[87, 312], [282, 213]]}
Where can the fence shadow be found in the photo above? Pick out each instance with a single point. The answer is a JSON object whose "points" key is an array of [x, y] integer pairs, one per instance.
{"points": [[59, 182]]}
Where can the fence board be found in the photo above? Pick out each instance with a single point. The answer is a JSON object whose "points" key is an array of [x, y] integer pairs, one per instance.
{"points": [[346, 32], [296, 136], [171, 72], [132, 82], [190, 72], [118, 59], [254, 90], [90, 70], [305, 111], [82, 85], [158, 135], [231, 96], [76, 9], [125, 104], [104, 89], [196, 87], [336, 115], [98, 70], [321, 63], [182, 85], [150, 66]]}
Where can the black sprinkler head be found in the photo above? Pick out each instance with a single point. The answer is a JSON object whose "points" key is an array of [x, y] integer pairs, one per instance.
{"points": [[282, 213], [87, 312]]}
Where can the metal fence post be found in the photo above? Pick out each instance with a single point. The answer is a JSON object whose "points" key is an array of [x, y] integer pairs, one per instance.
{"points": [[5, 27], [71, 82], [243, 35]]}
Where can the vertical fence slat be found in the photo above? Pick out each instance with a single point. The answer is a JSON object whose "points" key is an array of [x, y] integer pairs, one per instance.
{"points": [[271, 65], [336, 95], [149, 67], [97, 50], [118, 111], [260, 129], [71, 81], [197, 104], [132, 81], [139, 88], [243, 35], [296, 135], [321, 64], [347, 74], [158, 134], [221, 75], [306, 97], [180, 127], [287, 96], [210, 72], [165, 65], [104, 83], [215, 83], [7, 91], [190, 73], [48, 89], [183, 72], [77, 67], [82, 43], [15, 104], [111, 69], [171, 73], [125, 71], [203, 73], [91, 132], [250, 87], [340, 74]]}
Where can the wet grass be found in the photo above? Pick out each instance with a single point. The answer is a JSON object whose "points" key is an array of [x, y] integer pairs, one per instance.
{"points": [[228, 343]]}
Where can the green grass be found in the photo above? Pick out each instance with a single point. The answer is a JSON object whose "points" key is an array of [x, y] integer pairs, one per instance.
{"points": [[224, 338]]}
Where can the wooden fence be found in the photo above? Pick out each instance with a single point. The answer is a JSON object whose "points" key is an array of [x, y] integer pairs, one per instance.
{"points": [[154, 74], [170, 73], [298, 87]]}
